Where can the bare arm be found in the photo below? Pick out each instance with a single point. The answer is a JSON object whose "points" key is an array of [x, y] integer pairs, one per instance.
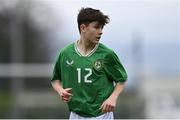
{"points": [[57, 86], [65, 94], [110, 103]]}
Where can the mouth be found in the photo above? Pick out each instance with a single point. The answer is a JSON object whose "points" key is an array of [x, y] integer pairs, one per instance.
{"points": [[98, 38]]}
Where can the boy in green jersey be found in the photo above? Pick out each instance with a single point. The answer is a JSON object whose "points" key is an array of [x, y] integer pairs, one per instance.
{"points": [[87, 75]]}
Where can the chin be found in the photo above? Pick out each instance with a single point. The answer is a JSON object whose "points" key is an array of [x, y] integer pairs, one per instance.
{"points": [[96, 41]]}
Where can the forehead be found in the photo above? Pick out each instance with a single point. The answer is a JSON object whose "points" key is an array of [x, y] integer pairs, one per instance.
{"points": [[94, 23]]}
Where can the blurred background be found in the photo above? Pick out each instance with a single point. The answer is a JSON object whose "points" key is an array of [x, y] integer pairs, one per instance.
{"points": [[145, 34]]}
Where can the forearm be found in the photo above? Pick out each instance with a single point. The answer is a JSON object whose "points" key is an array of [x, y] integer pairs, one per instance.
{"points": [[57, 86], [110, 103], [117, 90]]}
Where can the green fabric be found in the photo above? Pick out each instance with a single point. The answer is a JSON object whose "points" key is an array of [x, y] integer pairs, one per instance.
{"points": [[90, 77]]}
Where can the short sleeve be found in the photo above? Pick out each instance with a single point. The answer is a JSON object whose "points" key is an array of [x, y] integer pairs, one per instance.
{"points": [[114, 69], [57, 69]]}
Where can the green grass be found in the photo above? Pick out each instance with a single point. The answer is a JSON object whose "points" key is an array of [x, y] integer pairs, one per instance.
{"points": [[5, 103]]}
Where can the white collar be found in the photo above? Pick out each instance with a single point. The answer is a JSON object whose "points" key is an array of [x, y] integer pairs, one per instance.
{"points": [[88, 55]]}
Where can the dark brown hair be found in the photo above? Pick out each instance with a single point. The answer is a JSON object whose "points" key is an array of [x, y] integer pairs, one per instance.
{"points": [[88, 15]]}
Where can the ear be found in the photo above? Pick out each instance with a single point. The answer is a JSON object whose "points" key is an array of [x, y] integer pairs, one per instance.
{"points": [[83, 27]]}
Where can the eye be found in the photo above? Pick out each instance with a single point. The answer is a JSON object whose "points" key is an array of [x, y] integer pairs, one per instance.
{"points": [[98, 26]]}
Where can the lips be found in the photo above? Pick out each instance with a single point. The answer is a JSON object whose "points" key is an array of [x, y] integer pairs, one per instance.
{"points": [[98, 38]]}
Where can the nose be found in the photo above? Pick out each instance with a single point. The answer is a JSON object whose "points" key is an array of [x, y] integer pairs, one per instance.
{"points": [[100, 32]]}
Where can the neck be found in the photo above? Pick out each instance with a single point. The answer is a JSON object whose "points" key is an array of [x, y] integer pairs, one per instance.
{"points": [[84, 46]]}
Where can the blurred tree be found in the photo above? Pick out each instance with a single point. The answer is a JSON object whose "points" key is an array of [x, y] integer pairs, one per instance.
{"points": [[25, 26], [4, 38], [25, 34]]}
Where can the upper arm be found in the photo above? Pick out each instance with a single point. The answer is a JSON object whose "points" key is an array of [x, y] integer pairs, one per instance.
{"points": [[57, 70], [114, 69]]}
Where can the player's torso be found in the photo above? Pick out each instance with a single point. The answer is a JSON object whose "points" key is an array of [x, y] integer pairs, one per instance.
{"points": [[83, 71], [86, 76]]}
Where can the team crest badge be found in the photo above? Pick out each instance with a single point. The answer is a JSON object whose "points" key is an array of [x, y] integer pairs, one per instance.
{"points": [[98, 65], [69, 63]]}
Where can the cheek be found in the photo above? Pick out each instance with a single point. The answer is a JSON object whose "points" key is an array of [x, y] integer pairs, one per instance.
{"points": [[92, 33], [89, 34]]}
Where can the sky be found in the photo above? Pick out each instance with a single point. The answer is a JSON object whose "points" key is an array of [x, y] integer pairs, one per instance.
{"points": [[156, 19]]}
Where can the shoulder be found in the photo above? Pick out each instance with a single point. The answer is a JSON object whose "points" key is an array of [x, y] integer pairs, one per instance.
{"points": [[109, 53], [67, 47], [65, 50], [105, 49]]}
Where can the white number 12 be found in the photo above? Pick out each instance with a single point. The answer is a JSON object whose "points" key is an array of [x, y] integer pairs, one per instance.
{"points": [[86, 76]]}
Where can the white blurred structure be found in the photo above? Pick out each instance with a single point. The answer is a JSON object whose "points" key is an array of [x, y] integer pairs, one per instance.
{"points": [[162, 98]]}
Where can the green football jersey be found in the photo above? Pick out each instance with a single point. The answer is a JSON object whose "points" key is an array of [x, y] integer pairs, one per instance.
{"points": [[91, 77]]}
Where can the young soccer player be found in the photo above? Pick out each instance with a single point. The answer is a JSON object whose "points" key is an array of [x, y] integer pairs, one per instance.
{"points": [[87, 75]]}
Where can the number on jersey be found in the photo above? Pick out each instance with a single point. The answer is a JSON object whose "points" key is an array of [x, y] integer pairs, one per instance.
{"points": [[86, 80]]}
